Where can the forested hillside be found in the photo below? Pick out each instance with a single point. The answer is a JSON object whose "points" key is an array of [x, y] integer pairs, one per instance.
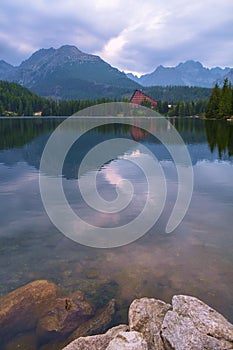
{"points": [[221, 102], [174, 94], [17, 100], [172, 101]]}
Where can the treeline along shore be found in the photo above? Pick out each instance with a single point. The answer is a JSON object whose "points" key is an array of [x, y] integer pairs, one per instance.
{"points": [[16, 100]]}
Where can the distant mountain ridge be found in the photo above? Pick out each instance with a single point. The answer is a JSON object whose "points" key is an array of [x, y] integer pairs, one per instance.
{"points": [[68, 73], [189, 73], [5, 68]]}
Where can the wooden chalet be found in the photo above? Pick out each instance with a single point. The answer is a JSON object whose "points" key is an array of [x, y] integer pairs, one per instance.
{"points": [[37, 114], [139, 97]]}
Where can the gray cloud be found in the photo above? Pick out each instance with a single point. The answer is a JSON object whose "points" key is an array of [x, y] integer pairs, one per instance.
{"points": [[130, 35]]}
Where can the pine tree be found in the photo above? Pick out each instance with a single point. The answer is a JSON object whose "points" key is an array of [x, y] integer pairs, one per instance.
{"points": [[1, 108], [181, 109], [225, 103], [212, 110]]}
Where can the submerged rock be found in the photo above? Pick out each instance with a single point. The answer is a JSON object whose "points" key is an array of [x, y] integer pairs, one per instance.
{"points": [[97, 324], [65, 315], [21, 309], [26, 341]]}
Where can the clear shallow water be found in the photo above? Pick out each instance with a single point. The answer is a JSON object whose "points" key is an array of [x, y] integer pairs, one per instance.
{"points": [[195, 259]]}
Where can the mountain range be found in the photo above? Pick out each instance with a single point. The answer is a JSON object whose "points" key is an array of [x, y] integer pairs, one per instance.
{"points": [[189, 73], [68, 73]]}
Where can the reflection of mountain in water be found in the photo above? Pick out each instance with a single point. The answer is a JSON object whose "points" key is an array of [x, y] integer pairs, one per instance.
{"points": [[24, 140]]}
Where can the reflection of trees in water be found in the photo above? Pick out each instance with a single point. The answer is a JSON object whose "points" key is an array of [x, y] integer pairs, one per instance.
{"points": [[220, 135], [16, 132], [189, 126]]}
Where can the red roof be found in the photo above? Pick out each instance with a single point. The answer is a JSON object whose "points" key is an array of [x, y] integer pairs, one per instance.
{"points": [[139, 96]]}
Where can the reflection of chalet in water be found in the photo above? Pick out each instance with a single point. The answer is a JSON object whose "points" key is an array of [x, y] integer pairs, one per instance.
{"points": [[139, 98], [138, 133]]}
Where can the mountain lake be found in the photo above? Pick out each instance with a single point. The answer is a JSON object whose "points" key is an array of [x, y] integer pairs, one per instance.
{"points": [[195, 259]]}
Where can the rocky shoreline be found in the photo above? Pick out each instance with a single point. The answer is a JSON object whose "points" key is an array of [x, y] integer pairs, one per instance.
{"points": [[37, 317], [187, 324]]}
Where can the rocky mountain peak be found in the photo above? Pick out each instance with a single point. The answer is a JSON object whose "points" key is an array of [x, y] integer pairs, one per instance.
{"points": [[72, 53], [190, 64], [4, 63], [55, 57], [39, 57], [5, 68], [189, 73], [69, 73]]}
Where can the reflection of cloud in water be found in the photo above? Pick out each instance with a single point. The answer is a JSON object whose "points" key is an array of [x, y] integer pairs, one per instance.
{"points": [[215, 179], [112, 180], [134, 154], [219, 172], [19, 181], [111, 172], [200, 251], [116, 174], [112, 175], [22, 210]]}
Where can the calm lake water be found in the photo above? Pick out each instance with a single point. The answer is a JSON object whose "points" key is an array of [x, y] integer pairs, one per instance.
{"points": [[195, 259]]}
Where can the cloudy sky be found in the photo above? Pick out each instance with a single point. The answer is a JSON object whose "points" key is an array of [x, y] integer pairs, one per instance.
{"points": [[131, 35]]}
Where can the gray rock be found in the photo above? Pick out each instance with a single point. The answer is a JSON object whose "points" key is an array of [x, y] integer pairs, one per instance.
{"points": [[128, 341], [146, 316], [193, 325], [155, 325], [96, 342]]}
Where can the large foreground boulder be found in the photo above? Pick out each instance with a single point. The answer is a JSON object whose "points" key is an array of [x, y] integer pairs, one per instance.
{"points": [[96, 342], [146, 316], [21, 309], [128, 341], [187, 324], [193, 325]]}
